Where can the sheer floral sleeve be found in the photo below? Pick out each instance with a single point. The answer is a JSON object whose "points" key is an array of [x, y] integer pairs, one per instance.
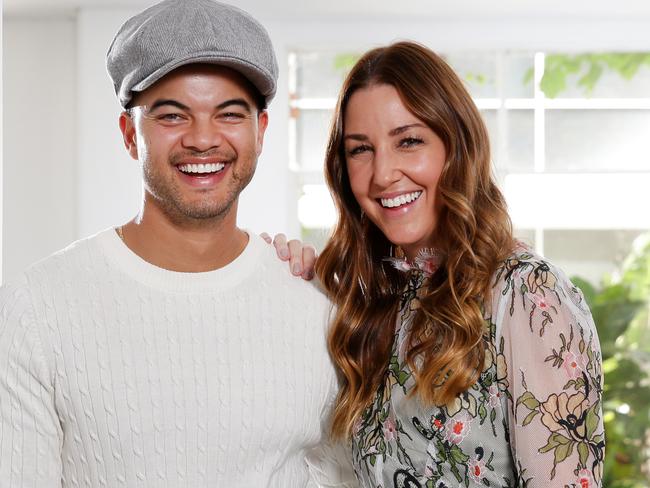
{"points": [[554, 374]]}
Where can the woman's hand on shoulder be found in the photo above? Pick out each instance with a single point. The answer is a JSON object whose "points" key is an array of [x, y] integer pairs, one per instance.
{"points": [[301, 256]]}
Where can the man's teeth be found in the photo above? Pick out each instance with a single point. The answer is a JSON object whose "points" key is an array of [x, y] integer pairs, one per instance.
{"points": [[201, 168], [400, 200]]}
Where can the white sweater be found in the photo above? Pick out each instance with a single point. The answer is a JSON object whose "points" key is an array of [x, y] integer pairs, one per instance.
{"points": [[116, 373]]}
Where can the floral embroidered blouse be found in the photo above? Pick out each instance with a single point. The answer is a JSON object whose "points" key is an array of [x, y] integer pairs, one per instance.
{"points": [[534, 417]]}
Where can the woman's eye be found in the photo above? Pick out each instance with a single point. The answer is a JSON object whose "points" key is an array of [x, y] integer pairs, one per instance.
{"points": [[410, 141], [358, 150]]}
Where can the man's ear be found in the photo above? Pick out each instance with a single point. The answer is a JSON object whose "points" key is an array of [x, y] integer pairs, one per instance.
{"points": [[262, 123], [127, 127]]}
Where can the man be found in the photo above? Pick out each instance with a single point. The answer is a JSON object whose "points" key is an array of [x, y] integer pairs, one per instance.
{"points": [[175, 350]]}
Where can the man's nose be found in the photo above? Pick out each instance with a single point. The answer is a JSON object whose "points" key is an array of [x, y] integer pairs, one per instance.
{"points": [[203, 135]]}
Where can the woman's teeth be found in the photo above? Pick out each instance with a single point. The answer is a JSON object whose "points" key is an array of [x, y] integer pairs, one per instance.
{"points": [[400, 200], [201, 168]]}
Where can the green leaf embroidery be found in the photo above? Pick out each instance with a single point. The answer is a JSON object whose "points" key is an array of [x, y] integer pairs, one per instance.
{"points": [[569, 384], [529, 400], [592, 419], [554, 441], [482, 412], [583, 452], [562, 452], [458, 455], [529, 418], [402, 377]]}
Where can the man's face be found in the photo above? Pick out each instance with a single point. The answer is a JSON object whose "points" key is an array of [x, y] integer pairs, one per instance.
{"points": [[197, 133]]}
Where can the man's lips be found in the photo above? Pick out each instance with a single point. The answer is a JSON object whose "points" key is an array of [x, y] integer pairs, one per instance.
{"points": [[198, 169]]}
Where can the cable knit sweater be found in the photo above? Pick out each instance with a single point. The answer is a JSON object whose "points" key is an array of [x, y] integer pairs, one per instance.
{"points": [[116, 373]]}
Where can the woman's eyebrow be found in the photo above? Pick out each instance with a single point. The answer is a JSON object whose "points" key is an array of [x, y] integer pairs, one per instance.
{"points": [[356, 137], [403, 128]]}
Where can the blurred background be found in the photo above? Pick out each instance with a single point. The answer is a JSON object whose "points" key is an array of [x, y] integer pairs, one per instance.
{"points": [[564, 88]]}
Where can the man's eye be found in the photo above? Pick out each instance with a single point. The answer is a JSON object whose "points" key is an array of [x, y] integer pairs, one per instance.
{"points": [[233, 115], [410, 142], [170, 117]]}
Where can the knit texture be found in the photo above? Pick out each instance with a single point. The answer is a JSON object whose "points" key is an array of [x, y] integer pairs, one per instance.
{"points": [[116, 373]]}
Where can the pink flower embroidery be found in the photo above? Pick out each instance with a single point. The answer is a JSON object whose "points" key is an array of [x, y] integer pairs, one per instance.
{"points": [[573, 365], [495, 395], [476, 469], [436, 423], [356, 427], [457, 428], [390, 430], [399, 264], [541, 302], [427, 261], [585, 480]]}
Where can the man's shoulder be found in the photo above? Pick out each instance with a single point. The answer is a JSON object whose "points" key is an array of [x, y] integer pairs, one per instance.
{"points": [[276, 273], [76, 257]]}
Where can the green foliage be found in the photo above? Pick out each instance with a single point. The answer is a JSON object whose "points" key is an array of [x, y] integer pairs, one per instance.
{"points": [[589, 67], [620, 310], [345, 61]]}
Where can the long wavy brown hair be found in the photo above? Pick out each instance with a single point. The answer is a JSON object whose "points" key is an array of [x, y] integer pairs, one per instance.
{"points": [[445, 347]]}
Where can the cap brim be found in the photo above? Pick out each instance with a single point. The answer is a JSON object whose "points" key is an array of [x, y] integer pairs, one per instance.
{"points": [[263, 81]]}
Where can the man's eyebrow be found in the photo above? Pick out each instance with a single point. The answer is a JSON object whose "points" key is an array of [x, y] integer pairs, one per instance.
{"points": [[167, 101], [403, 128], [235, 101]]}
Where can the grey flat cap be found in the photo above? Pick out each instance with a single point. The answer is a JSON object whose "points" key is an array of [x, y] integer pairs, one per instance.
{"points": [[174, 33]]}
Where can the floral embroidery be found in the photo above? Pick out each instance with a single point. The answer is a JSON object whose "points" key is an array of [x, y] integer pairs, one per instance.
{"points": [[458, 427], [540, 322], [427, 262]]}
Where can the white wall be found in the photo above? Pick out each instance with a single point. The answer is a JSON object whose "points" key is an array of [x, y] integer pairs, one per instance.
{"points": [[39, 141], [66, 174]]}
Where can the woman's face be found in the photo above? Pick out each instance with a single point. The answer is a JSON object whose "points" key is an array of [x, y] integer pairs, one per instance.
{"points": [[394, 162]]}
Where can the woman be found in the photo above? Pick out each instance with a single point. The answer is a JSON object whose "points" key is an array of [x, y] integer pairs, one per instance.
{"points": [[466, 359]]}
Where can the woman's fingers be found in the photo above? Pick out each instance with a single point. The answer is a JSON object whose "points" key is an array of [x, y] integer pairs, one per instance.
{"points": [[295, 251], [301, 257], [308, 261], [281, 247]]}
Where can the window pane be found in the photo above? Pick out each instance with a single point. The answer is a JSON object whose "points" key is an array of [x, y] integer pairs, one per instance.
{"points": [[320, 74], [517, 76], [520, 141], [315, 207], [490, 119], [630, 78], [595, 140], [527, 236], [477, 70], [588, 253], [312, 131]]}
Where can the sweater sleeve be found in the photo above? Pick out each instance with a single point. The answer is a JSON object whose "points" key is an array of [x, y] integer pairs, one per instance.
{"points": [[330, 466], [555, 378], [330, 462], [30, 430]]}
